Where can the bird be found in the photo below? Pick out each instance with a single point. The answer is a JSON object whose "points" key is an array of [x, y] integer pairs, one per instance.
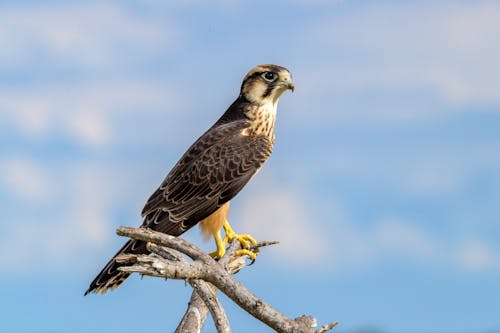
{"points": [[200, 186]]}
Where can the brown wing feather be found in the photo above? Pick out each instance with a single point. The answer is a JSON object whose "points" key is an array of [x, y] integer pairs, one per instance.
{"points": [[210, 173], [213, 170]]}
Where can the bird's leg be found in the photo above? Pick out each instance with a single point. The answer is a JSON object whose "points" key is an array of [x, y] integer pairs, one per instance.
{"points": [[244, 239], [220, 244]]}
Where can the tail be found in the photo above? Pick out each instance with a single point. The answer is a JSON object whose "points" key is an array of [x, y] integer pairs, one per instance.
{"points": [[110, 277]]}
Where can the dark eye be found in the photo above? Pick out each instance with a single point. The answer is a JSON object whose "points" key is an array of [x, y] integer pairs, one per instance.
{"points": [[270, 76]]}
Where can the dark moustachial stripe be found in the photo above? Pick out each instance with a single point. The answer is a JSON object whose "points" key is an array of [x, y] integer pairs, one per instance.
{"points": [[269, 90]]}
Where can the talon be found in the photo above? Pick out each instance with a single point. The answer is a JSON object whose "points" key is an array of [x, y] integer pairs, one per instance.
{"points": [[250, 254], [217, 254], [244, 239]]}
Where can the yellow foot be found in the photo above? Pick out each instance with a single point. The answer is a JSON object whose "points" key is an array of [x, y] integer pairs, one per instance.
{"points": [[251, 254], [217, 254], [245, 240]]}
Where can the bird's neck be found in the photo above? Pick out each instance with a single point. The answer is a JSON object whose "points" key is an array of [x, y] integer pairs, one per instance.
{"points": [[262, 118]]}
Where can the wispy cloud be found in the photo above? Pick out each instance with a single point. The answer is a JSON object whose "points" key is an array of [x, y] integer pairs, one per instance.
{"points": [[283, 215], [86, 113], [90, 127], [395, 239], [24, 178], [73, 225], [82, 35], [406, 60], [476, 255], [75, 61], [344, 245]]}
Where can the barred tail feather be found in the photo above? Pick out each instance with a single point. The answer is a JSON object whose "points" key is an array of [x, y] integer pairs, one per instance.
{"points": [[110, 277]]}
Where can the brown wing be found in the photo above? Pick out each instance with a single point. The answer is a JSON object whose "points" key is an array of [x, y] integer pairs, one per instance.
{"points": [[213, 170]]}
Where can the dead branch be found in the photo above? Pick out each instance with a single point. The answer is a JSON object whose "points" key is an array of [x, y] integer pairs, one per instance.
{"points": [[202, 299], [205, 276]]}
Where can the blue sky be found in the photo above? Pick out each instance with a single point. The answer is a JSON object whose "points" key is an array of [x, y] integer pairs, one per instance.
{"points": [[384, 186]]}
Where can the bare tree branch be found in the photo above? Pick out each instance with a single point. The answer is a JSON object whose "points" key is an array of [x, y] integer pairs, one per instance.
{"points": [[189, 323], [203, 267], [203, 298], [194, 318], [326, 327]]}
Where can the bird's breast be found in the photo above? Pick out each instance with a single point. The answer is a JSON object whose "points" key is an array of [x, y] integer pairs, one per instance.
{"points": [[262, 120]]}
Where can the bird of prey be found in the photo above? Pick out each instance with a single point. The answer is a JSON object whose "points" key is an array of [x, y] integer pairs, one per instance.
{"points": [[212, 171]]}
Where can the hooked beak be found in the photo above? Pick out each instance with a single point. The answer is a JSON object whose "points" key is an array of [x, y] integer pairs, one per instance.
{"points": [[288, 84]]}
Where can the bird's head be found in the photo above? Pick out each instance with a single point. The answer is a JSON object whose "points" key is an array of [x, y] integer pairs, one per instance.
{"points": [[265, 84]]}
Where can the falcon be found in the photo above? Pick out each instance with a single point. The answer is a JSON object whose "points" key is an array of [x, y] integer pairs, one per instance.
{"points": [[211, 172]]}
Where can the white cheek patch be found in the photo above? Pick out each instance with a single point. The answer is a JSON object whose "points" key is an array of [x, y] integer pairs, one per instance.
{"points": [[256, 91], [277, 94]]}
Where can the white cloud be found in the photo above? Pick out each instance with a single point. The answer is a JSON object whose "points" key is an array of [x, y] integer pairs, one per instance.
{"points": [[409, 241], [404, 238], [220, 4], [446, 48], [79, 227], [393, 239], [432, 169], [338, 244], [476, 255], [342, 245], [78, 34], [44, 42], [25, 179], [89, 127], [354, 247], [431, 178], [85, 112], [282, 215]]}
